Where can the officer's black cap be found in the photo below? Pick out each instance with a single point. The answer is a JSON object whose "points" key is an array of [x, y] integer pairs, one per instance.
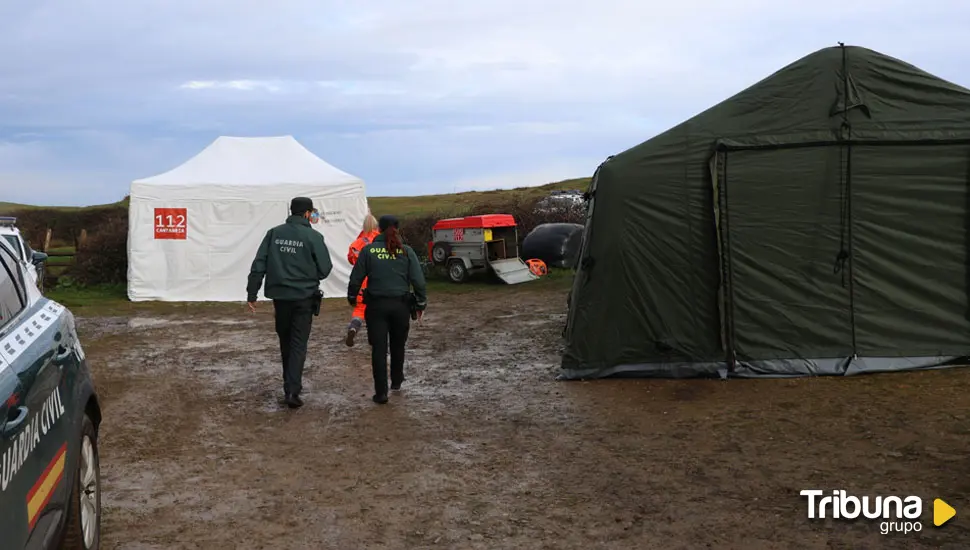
{"points": [[387, 221], [300, 205]]}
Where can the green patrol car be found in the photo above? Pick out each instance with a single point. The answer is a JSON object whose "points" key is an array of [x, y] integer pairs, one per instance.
{"points": [[49, 415]]}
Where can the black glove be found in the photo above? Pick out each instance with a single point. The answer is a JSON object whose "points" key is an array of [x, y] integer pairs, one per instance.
{"points": [[352, 300]]}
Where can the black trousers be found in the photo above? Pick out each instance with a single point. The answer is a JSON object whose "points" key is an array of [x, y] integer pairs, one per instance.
{"points": [[293, 321], [388, 320]]}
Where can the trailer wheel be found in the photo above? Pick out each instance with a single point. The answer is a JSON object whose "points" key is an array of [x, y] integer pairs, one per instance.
{"points": [[457, 271], [440, 252]]}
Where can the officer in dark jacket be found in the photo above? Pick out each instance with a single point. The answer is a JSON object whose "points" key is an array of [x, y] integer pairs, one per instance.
{"points": [[294, 259], [392, 271]]}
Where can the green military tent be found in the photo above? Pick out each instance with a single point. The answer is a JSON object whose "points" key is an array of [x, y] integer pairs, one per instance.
{"points": [[814, 223]]}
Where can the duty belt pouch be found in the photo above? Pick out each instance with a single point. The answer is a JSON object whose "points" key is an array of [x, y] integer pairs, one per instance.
{"points": [[413, 305], [411, 298], [317, 300]]}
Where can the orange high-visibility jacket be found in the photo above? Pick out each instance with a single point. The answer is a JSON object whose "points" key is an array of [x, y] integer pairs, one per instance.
{"points": [[363, 240], [353, 253]]}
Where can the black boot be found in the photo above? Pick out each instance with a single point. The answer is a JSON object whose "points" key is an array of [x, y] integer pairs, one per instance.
{"points": [[380, 399], [293, 401]]}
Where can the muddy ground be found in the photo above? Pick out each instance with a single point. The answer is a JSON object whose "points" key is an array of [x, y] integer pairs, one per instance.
{"points": [[485, 449]]}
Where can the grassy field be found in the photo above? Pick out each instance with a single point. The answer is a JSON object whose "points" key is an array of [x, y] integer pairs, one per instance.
{"points": [[7, 207], [427, 204], [113, 299], [406, 206]]}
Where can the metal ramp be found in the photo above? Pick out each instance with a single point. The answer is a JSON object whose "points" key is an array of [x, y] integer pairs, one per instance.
{"points": [[513, 271]]}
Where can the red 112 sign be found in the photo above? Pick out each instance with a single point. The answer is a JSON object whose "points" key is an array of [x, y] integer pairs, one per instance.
{"points": [[170, 223]]}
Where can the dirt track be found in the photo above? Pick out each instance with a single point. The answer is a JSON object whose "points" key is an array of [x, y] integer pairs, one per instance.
{"points": [[484, 449]]}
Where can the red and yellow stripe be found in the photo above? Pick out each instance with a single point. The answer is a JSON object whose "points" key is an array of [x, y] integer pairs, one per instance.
{"points": [[40, 493]]}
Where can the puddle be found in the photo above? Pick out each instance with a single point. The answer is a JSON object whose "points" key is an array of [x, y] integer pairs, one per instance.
{"points": [[199, 344], [227, 344], [152, 322], [92, 328], [454, 451]]}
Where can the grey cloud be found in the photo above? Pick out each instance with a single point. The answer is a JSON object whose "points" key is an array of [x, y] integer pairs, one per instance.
{"points": [[404, 91]]}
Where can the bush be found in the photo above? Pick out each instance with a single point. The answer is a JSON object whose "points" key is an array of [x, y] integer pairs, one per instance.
{"points": [[33, 224], [416, 230], [104, 258], [65, 225]]}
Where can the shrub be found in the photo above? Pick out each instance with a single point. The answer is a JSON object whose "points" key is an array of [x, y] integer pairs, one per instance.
{"points": [[65, 225], [34, 223], [104, 258], [416, 230]]}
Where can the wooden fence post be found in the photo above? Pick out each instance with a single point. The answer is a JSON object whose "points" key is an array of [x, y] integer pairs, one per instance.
{"points": [[83, 239], [47, 241]]}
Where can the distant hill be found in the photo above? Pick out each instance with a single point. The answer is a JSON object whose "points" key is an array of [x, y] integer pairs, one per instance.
{"points": [[428, 204], [402, 206], [7, 207]]}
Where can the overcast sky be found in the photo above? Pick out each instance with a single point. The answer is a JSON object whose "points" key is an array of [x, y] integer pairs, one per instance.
{"points": [[416, 96]]}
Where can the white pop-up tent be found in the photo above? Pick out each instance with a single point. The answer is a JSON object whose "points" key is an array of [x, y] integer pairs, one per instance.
{"points": [[194, 230]]}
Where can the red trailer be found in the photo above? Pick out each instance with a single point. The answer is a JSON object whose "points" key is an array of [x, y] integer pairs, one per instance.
{"points": [[479, 242]]}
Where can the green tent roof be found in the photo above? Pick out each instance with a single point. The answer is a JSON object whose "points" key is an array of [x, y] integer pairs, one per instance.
{"points": [[777, 233], [803, 102]]}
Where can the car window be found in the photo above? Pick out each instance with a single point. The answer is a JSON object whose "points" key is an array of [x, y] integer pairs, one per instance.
{"points": [[14, 242], [13, 298]]}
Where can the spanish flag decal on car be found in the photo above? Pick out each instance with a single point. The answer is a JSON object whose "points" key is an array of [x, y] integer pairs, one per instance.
{"points": [[40, 493]]}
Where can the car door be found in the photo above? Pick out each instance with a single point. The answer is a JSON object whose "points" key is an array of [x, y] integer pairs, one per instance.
{"points": [[34, 436], [12, 419], [15, 463]]}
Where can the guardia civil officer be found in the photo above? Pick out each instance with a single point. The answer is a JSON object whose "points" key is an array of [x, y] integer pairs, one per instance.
{"points": [[395, 289], [294, 259]]}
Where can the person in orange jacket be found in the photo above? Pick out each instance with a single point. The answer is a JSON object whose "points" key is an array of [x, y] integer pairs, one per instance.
{"points": [[365, 237]]}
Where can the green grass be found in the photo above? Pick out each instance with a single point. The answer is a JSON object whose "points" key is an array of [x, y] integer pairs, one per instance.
{"points": [[402, 206], [107, 300], [82, 297], [59, 261]]}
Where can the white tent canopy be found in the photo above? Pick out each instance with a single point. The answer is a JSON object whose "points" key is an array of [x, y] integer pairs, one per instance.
{"points": [[193, 231]]}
